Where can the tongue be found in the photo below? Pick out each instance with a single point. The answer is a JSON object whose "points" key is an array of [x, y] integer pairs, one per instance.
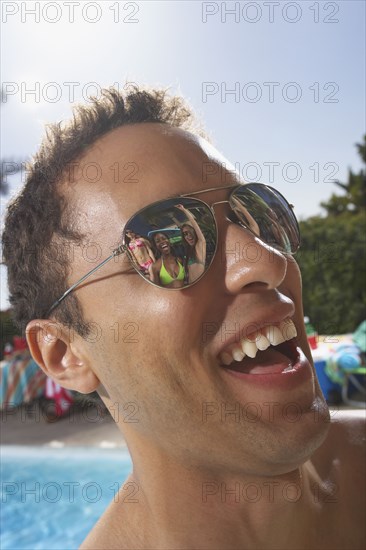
{"points": [[270, 361]]}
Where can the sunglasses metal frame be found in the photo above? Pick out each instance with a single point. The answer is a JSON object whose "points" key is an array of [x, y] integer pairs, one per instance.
{"points": [[122, 248]]}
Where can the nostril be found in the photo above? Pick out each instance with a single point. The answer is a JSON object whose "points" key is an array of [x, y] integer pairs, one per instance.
{"points": [[255, 286]]}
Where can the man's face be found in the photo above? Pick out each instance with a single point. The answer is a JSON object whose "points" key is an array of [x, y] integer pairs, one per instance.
{"points": [[158, 351]]}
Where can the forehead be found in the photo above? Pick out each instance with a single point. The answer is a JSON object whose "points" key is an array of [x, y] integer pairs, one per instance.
{"points": [[135, 165], [142, 155]]}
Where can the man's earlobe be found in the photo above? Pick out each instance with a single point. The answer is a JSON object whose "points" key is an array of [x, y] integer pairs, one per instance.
{"points": [[61, 357]]}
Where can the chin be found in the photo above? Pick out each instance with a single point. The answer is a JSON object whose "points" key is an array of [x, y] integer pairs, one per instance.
{"points": [[293, 447], [271, 446]]}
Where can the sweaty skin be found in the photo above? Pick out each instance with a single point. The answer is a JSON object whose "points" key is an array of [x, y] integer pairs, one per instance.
{"points": [[280, 475]]}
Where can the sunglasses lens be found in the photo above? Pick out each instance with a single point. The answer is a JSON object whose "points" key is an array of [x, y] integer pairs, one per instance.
{"points": [[268, 215], [171, 243]]}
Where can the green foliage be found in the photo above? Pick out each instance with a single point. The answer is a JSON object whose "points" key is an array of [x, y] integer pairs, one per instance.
{"points": [[354, 199], [333, 259]]}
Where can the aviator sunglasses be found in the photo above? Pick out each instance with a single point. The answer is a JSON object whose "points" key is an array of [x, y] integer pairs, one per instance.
{"points": [[171, 243]]}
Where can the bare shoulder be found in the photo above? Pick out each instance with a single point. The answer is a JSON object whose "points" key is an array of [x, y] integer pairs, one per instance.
{"points": [[101, 536], [343, 456], [340, 463], [109, 533], [116, 529], [346, 441], [348, 429]]}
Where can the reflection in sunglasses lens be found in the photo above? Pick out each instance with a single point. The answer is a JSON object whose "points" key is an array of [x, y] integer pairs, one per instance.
{"points": [[172, 243], [268, 215]]}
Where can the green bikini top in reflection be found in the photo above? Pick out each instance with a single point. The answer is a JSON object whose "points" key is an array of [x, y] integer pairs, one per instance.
{"points": [[166, 278]]}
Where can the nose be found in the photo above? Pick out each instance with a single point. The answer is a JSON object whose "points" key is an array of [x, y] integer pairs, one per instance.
{"points": [[249, 262]]}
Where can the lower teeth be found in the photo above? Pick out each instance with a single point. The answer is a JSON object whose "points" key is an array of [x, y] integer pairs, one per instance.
{"points": [[287, 369]]}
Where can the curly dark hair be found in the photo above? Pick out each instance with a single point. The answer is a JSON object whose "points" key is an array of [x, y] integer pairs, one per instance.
{"points": [[39, 221]]}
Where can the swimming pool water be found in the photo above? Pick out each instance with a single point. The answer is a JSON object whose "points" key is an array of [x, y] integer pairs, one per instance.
{"points": [[51, 498]]}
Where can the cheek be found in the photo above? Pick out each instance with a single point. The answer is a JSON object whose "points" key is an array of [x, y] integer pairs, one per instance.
{"points": [[147, 345], [145, 324], [170, 322]]}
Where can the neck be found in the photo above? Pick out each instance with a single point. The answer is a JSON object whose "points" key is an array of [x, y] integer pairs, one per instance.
{"points": [[181, 507]]}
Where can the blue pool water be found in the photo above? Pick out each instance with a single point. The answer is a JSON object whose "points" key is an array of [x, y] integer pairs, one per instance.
{"points": [[51, 498]]}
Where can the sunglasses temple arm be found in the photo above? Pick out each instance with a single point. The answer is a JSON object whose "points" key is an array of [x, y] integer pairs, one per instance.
{"points": [[115, 252]]}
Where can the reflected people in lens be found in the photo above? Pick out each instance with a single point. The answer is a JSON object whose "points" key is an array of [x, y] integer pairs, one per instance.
{"points": [[195, 246], [168, 270], [141, 251]]}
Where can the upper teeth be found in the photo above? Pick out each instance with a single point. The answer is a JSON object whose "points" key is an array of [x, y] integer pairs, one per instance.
{"points": [[269, 335]]}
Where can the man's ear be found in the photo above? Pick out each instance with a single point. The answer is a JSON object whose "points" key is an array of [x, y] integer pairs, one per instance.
{"points": [[60, 354]]}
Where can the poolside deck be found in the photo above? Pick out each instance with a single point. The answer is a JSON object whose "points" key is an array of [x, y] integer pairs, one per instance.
{"points": [[29, 425]]}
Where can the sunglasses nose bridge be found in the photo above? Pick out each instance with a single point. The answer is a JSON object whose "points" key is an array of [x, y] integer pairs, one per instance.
{"points": [[212, 208], [228, 202], [218, 202]]}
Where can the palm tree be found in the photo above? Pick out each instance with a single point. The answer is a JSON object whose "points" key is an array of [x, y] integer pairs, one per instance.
{"points": [[354, 199]]}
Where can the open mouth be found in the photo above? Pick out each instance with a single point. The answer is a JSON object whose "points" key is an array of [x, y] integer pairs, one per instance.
{"points": [[274, 360], [273, 350]]}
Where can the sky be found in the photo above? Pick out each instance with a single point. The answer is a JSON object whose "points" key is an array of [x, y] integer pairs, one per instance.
{"points": [[279, 86]]}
